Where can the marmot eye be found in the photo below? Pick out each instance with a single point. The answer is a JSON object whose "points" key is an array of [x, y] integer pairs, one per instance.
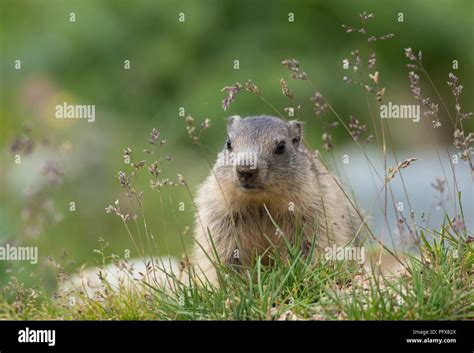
{"points": [[280, 149], [228, 144]]}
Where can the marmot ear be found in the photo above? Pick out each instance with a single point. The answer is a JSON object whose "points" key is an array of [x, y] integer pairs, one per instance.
{"points": [[231, 121], [295, 128]]}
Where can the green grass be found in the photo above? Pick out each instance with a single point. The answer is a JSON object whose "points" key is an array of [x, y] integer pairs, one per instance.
{"points": [[437, 285], [437, 282]]}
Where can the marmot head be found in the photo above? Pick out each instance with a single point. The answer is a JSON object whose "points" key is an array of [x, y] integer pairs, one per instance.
{"points": [[261, 155]]}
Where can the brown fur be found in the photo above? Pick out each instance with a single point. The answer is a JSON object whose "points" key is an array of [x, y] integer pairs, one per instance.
{"points": [[297, 192]]}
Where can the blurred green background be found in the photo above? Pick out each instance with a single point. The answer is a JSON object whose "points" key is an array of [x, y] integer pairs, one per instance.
{"points": [[186, 65]]}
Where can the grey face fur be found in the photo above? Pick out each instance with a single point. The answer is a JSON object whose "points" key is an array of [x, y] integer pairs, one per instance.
{"points": [[273, 148]]}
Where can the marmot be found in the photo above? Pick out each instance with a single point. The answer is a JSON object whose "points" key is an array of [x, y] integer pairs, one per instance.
{"points": [[240, 204]]}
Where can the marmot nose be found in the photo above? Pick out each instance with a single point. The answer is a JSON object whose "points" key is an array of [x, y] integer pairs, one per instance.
{"points": [[246, 174]]}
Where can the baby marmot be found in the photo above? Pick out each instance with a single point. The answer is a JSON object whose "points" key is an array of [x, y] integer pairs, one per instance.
{"points": [[276, 190]]}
